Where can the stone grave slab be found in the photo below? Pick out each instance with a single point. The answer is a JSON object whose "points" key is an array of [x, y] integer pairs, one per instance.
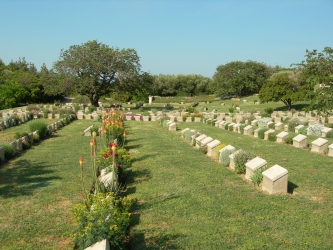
{"points": [[275, 180], [253, 165], [319, 145]]}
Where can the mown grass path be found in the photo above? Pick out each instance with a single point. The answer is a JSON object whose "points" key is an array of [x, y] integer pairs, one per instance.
{"points": [[188, 201], [38, 188]]}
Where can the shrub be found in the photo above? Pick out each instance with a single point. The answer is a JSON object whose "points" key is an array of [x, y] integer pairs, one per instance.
{"points": [[272, 137], [104, 216], [224, 157], [240, 159], [81, 99], [36, 137], [288, 140], [261, 133], [302, 131], [39, 125], [95, 129], [203, 149], [269, 110], [329, 134], [315, 129], [271, 126], [292, 124], [304, 122], [194, 104], [9, 152], [226, 126], [263, 122], [188, 135], [190, 109], [231, 110], [257, 177]]}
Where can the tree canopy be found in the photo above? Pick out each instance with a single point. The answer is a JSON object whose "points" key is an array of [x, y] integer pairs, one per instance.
{"points": [[317, 72], [239, 78], [95, 69], [285, 86]]}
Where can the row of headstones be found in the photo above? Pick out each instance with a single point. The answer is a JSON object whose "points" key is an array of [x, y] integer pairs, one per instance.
{"points": [[17, 145], [319, 145], [275, 179], [81, 115]]}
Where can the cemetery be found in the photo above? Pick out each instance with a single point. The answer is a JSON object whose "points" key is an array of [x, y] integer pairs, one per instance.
{"points": [[233, 169]]}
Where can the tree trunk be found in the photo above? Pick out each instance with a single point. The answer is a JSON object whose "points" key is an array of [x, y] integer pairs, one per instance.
{"points": [[94, 100]]}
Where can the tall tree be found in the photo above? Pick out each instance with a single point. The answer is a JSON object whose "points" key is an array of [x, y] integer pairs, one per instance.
{"points": [[317, 71], [94, 69], [285, 86], [239, 78]]}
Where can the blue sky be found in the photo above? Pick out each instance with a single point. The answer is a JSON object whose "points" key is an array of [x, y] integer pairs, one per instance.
{"points": [[170, 37]]}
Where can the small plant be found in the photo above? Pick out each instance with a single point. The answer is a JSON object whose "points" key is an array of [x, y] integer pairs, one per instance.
{"points": [[271, 126], [188, 135], [226, 126], [261, 133], [203, 149], [190, 109], [292, 124], [302, 131], [241, 128], [269, 110], [329, 134], [91, 108], [315, 129], [36, 137], [168, 106], [224, 157], [8, 150], [257, 177], [39, 125], [240, 159], [272, 137], [95, 129], [288, 140], [231, 110]]}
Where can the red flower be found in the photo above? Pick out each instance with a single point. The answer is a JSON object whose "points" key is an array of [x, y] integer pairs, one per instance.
{"points": [[111, 152], [80, 160], [117, 165], [106, 156]]}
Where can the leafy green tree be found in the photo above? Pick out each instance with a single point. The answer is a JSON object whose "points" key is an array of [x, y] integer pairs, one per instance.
{"points": [[94, 69], [317, 72], [239, 78], [12, 94], [285, 86]]}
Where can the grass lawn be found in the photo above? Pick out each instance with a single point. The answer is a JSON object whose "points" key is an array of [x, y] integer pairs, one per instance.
{"points": [[188, 201], [185, 200], [38, 188]]}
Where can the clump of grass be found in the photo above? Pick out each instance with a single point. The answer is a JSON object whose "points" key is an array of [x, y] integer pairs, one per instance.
{"points": [[8, 150], [39, 125], [261, 133]]}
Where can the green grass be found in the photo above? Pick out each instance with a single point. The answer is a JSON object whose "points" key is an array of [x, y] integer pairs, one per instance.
{"points": [[188, 201], [38, 188]]}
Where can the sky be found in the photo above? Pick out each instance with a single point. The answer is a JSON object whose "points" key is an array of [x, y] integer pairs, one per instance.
{"points": [[169, 36]]}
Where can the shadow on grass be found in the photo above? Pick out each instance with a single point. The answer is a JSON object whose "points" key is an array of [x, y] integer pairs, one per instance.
{"points": [[294, 106], [291, 187], [141, 158], [138, 176], [156, 237], [133, 146], [23, 178]]}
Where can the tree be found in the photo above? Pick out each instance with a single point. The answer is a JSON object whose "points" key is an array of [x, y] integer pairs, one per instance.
{"points": [[317, 72], [12, 94], [239, 78], [94, 69], [285, 86]]}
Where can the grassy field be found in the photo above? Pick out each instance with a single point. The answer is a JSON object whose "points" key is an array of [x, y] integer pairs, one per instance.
{"points": [[189, 201], [215, 103], [185, 200], [38, 188]]}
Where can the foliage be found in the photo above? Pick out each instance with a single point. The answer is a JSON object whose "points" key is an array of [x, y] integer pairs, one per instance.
{"points": [[224, 157], [239, 78], [302, 131], [262, 123], [261, 132], [315, 129], [288, 140], [181, 85], [257, 176], [240, 159], [12, 94], [190, 109], [80, 99], [285, 86], [8, 150], [317, 74], [271, 126], [94, 69], [329, 134], [292, 124], [168, 106], [39, 125], [269, 110], [272, 137], [95, 129], [188, 135], [104, 216]]}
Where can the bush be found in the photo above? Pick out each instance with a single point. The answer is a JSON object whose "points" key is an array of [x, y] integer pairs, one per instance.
{"points": [[39, 125], [168, 106], [261, 133], [271, 126], [35, 137], [231, 110], [315, 129], [272, 137], [292, 124], [9, 152], [226, 126], [95, 129], [329, 134], [104, 216], [195, 104], [240, 159], [269, 110], [81, 99], [224, 157], [257, 177], [190, 109], [302, 131], [288, 140], [188, 135]]}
